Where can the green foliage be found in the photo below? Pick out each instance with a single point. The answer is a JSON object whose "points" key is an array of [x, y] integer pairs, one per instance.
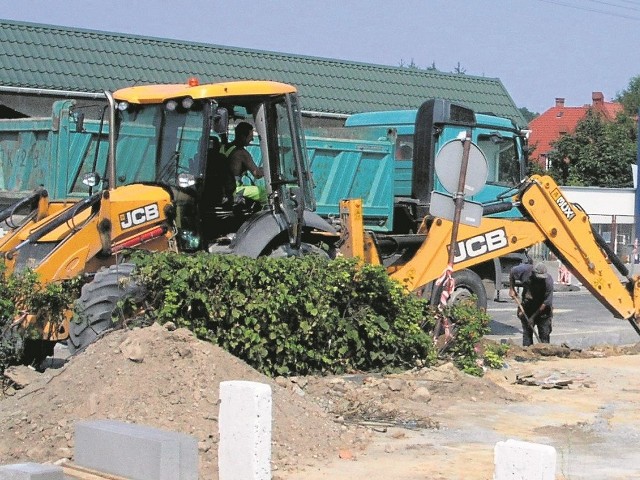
{"points": [[22, 294], [630, 96], [599, 153], [528, 114], [290, 315], [283, 316], [459, 69], [471, 324], [493, 355], [534, 168]]}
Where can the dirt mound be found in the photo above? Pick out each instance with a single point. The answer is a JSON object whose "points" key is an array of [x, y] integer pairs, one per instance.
{"points": [[166, 379]]}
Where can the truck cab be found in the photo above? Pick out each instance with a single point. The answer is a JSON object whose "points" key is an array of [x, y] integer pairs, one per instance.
{"points": [[501, 141]]}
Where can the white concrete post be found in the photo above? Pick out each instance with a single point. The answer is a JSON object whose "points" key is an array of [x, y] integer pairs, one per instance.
{"points": [[516, 460], [244, 450]]}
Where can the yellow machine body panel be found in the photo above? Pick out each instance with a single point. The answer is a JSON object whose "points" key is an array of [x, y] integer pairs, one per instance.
{"points": [[45, 209], [493, 238], [160, 93], [357, 244], [126, 213], [135, 208]]}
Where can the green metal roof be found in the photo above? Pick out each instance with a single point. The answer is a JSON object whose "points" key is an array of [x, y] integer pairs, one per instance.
{"points": [[62, 58]]}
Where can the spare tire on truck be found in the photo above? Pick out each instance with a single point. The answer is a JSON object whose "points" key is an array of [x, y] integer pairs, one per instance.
{"points": [[97, 310]]}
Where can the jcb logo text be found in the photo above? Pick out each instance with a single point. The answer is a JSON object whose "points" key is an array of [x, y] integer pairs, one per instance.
{"points": [[139, 215], [565, 207], [480, 244]]}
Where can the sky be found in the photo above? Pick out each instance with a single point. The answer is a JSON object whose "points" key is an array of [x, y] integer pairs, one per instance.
{"points": [[539, 49]]}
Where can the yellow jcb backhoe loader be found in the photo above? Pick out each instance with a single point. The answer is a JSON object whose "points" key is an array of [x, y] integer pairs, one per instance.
{"points": [[547, 217], [161, 188]]}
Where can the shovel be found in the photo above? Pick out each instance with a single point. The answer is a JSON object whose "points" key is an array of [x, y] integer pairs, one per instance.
{"points": [[529, 320]]}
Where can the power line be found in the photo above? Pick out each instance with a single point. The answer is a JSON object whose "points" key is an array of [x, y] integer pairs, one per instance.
{"points": [[586, 9], [614, 5]]}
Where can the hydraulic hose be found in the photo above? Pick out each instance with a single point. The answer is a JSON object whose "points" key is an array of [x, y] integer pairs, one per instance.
{"points": [[59, 220], [30, 200]]}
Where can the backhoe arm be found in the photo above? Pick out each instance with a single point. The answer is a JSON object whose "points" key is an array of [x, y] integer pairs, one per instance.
{"points": [[569, 234]]}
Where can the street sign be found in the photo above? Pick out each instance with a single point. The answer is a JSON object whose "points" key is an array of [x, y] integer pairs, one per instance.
{"points": [[448, 163], [443, 206]]}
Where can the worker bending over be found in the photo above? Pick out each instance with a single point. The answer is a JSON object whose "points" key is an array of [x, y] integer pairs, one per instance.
{"points": [[536, 308]]}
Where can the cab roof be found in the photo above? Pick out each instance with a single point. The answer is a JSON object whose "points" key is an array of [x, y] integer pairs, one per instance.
{"points": [[162, 92]]}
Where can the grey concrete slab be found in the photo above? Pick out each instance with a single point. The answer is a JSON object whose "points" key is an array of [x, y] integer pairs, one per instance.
{"points": [[135, 451], [31, 471]]}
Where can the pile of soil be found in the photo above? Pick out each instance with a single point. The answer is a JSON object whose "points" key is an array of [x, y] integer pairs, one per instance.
{"points": [[161, 378]]}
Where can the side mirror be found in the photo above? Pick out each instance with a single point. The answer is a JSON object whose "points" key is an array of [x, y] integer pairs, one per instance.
{"points": [[91, 179], [221, 121], [186, 180]]}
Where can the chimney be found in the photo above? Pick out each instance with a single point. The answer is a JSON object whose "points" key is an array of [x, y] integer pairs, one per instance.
{"points": [[597, 98], [559, 102]]}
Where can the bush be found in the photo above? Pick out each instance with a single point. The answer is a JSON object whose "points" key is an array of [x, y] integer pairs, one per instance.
{"points": [[22, 294], [470, 326], [283, 316], [291, 315]]}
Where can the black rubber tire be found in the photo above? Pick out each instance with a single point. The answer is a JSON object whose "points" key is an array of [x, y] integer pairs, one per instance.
{"points": [[467, 283], [97, 304]]}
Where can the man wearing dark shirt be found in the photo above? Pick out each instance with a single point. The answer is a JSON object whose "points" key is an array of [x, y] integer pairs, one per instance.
{"points": [[537, 300]]}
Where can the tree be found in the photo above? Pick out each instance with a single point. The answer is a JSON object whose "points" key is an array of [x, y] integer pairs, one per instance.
{"points": [[412, 64], [528, 114], [630, 97], [598, 154], [459, 69]]}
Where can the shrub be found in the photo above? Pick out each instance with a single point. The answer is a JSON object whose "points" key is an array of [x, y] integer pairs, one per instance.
{"points": [[22, 294], [291, 315], [470, 325]]}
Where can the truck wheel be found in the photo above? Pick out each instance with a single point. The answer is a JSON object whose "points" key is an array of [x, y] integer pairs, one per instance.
{"points": [[468, 283], [98, 303]]}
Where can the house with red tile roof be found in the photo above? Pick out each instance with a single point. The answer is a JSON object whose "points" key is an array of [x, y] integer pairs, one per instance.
{"points": [[560, 119]]}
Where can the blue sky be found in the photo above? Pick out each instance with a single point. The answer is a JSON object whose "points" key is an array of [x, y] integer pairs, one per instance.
{"points": [[539, 49]]}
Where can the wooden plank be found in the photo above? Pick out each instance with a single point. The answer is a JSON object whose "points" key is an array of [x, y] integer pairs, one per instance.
{"points": [[81, 473]]}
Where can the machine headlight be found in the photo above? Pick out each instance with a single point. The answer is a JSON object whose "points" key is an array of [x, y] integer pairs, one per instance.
{"points": [[122, 106], [187, 102], [171, 105]]}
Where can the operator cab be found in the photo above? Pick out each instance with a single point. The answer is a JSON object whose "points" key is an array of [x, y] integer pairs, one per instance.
{"points": [[172, 136]]}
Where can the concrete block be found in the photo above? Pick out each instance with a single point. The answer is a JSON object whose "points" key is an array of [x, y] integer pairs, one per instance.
{"points": [[516, 460], [244, 423], [31, 471], [135, 451]]}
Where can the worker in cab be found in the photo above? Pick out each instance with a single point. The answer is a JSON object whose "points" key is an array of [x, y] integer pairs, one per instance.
{"points": [[241, 162]]}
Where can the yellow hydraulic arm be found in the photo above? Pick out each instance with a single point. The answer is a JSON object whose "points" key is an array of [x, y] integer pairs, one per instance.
{"points": [[547, 217], [568, 232]]}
